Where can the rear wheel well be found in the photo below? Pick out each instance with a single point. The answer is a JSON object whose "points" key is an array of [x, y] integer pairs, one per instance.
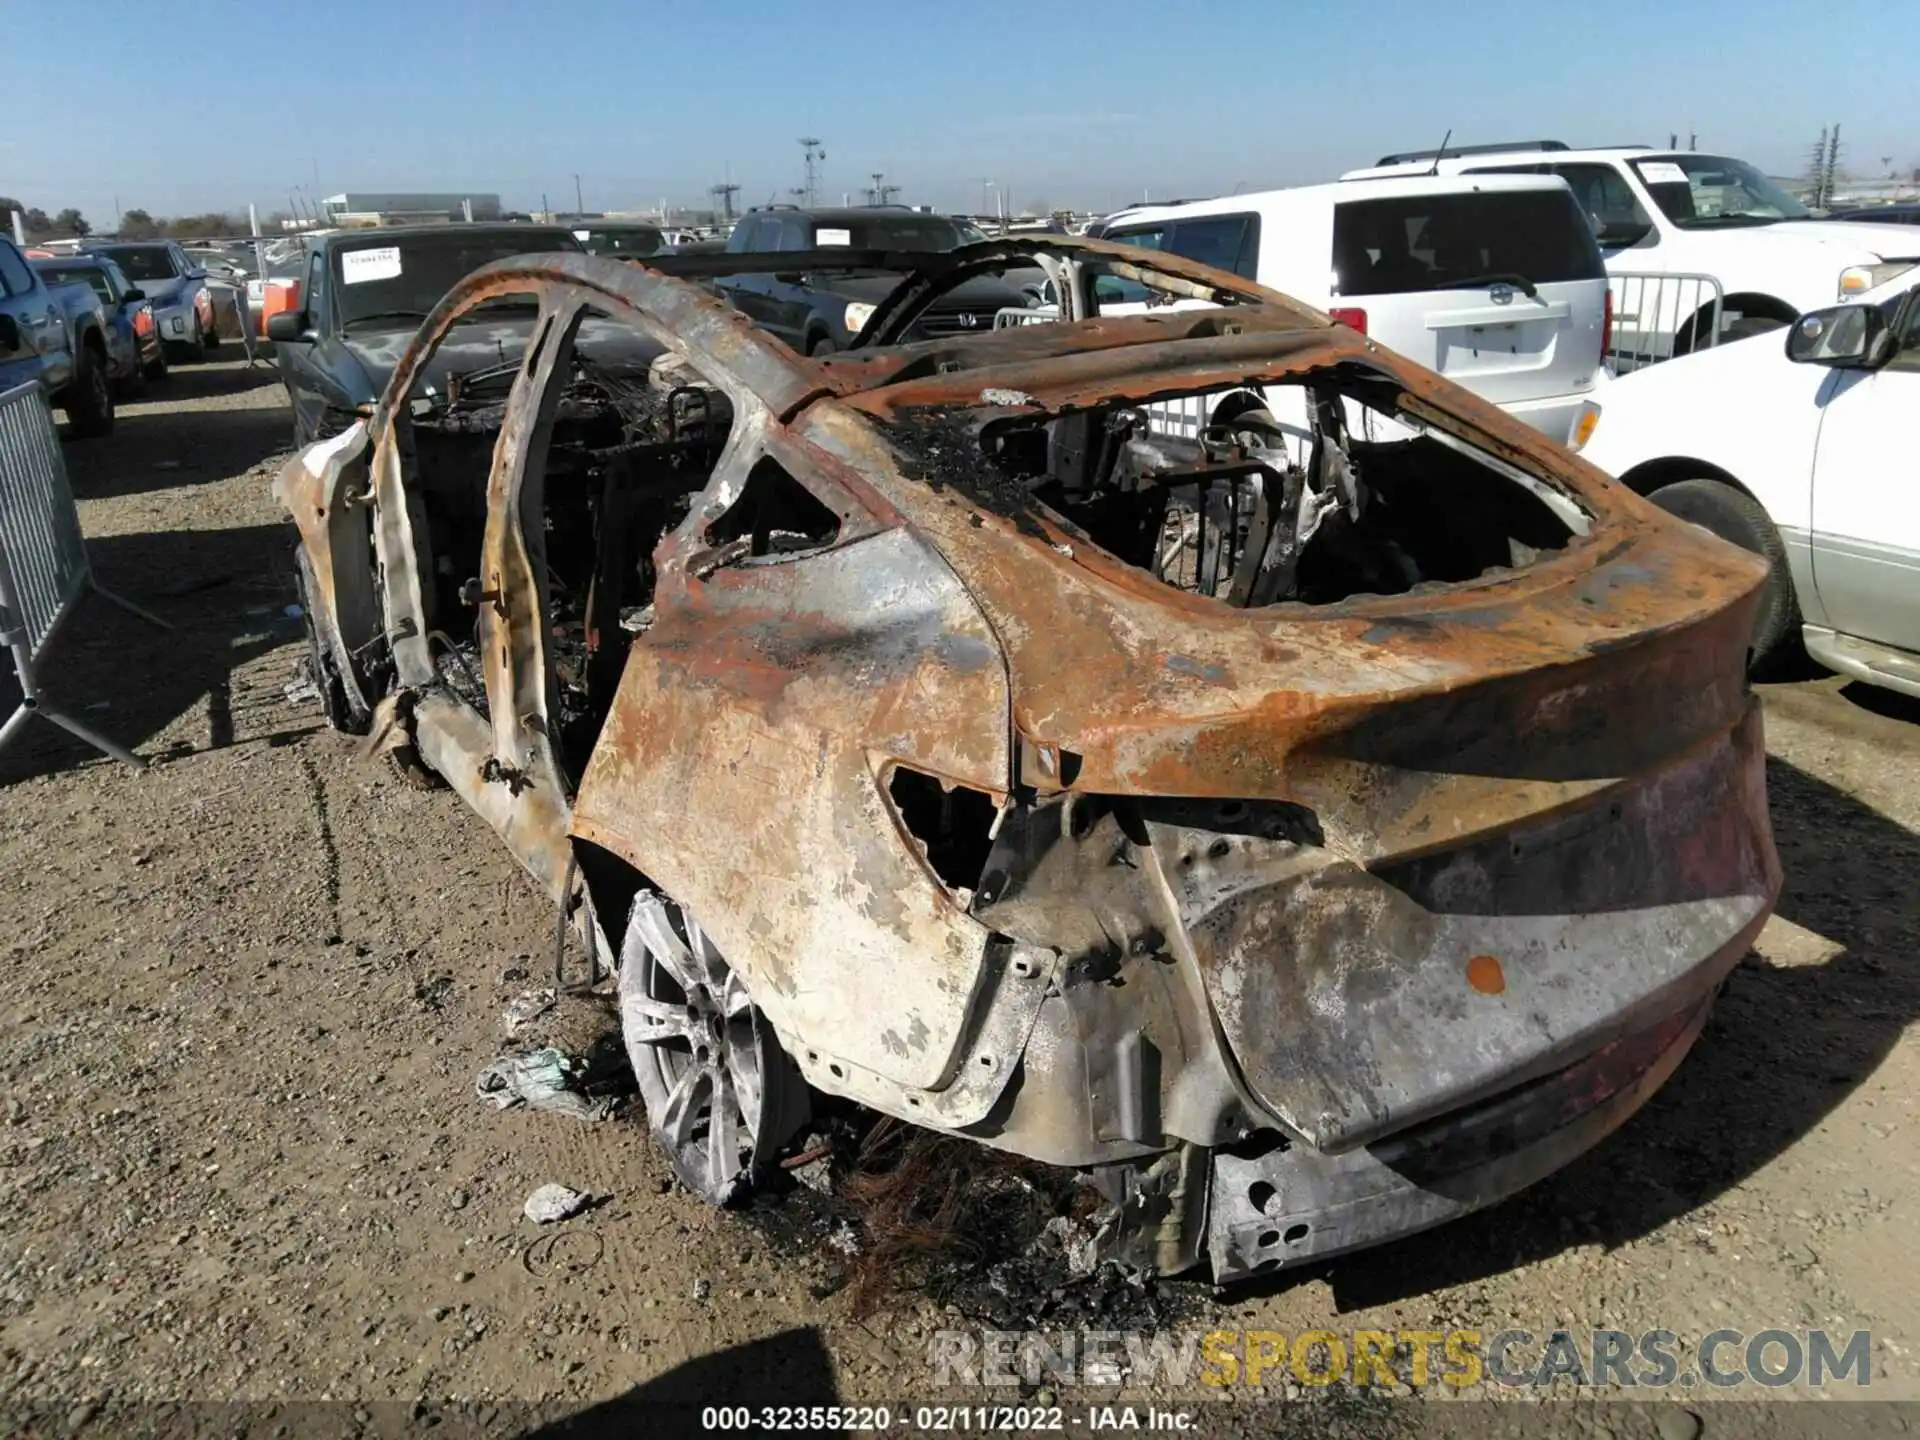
{"points": [[1649, 476]]}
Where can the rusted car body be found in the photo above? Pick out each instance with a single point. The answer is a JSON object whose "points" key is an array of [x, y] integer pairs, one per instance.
{"points": [[1314, 831]]}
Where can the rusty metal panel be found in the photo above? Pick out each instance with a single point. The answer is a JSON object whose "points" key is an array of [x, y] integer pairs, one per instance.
{"points": [[741, 770], [1409, 990]]}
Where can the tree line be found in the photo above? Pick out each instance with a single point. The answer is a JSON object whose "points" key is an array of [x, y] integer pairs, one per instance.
{"points": [[134, 224]]}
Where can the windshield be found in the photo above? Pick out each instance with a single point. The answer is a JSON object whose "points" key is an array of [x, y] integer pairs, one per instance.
{"points": [[401, 278], [94, 278], [1700, 192], [146, 262], [893, 232], [635, 240]]}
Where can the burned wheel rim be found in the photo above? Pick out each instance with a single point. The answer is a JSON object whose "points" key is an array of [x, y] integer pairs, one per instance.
{"points": [[715, 1082]]}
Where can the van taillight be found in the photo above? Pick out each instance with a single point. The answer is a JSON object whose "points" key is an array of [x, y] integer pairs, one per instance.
{"points": [[1352, 318], [1606, 326]]}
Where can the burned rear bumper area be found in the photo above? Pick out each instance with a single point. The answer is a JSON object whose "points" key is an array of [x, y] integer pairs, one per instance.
{"points": [[1291, 1205], [1387, 1043]]}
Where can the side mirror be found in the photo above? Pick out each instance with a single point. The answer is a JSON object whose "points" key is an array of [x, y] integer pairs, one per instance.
{"points": [[289, 327], [133, 294], [1619, 234], [9, 333], [1843, 337]]}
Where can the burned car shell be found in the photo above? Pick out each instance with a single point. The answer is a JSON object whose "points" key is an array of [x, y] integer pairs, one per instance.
{"points": [[1303, 925]]}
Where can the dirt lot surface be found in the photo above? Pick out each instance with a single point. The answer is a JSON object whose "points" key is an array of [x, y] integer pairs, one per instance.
{"points": [[247, 993]]}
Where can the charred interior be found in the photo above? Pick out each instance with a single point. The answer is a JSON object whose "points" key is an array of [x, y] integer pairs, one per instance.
{"points": [[1352, 498], [629, 448]]}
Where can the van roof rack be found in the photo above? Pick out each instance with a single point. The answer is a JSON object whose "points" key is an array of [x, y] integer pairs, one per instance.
{"points": [[1449, 151]]}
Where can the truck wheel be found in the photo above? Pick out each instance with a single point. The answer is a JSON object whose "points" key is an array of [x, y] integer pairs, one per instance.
{"points": [[823, 345], [1738, 518], [210, 338], [156, 368], [89, 399]]}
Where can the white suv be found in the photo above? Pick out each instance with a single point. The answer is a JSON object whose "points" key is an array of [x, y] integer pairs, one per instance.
{"points": [[1494, 282], [1682, 213]]}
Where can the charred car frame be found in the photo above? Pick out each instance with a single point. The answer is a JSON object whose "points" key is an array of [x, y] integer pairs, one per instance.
{"points": [[1312, 829]]}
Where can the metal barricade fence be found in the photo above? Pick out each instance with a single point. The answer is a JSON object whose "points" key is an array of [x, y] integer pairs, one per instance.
{"points": [[236, 304], [1008, 316], [44, 567], [1656, 317]]}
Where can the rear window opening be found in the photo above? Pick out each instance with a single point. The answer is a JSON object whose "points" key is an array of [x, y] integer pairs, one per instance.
{"points": [[1408, 244], [1314, 497]]}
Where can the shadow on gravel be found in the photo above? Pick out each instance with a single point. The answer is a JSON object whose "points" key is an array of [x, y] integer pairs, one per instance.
{"points": [[225, 591], [1787, 1044], [1888, 703], [787, 1369], [156, 446]]}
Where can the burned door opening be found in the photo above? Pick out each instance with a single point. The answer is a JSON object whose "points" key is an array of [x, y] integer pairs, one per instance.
{"points": [[621, 452]]}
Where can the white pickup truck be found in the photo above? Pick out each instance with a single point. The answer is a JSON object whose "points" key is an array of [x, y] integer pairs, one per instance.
{"points": [[1672, 215], [1802, 452]]}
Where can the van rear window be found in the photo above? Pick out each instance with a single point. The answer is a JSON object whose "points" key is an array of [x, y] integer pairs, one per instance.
{"points": [[1406, 244]]}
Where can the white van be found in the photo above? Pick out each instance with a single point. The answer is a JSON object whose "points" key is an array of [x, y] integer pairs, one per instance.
{"points": [[1494, 281]]}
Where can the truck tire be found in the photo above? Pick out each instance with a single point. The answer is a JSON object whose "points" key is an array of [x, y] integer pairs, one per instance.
{"points": [[1738, 518], [156, 368], [89, 398], [210, 338]]}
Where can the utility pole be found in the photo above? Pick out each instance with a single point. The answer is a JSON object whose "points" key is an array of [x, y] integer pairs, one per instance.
{"points": [[724, 193], [882, 193], [811, 147], [1833, 165], [579, 205], [546, 210]]}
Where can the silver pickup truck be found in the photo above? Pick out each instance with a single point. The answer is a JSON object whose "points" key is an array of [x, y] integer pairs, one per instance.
{"points": [[57, 336]]}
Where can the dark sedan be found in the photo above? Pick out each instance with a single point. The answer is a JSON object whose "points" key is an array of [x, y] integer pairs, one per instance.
{"points": [[363, 297], [1883, 215], [134, 350]]}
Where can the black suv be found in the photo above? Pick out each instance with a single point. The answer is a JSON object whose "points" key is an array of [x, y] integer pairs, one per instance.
{"points": [[820, 313]]}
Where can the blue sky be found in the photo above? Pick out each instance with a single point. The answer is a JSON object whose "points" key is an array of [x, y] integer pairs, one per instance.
{"points": [[1058, 101]]}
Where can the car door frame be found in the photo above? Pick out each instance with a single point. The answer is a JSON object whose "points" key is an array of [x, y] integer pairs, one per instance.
{"points": [[1860, 578]]}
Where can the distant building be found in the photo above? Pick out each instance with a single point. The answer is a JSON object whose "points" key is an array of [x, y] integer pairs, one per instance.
{"points": [[361, 208]]}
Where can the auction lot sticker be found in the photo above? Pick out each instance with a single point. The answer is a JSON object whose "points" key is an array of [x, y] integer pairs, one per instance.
{"points": [[359, 266]]}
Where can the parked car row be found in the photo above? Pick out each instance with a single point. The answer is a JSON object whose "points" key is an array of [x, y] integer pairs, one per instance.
{"points": [[134, 348], [176, 287], [55, 336]]}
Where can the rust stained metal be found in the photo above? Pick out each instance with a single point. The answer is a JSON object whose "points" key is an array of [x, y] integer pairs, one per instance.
{"points": [[1328, 874]]}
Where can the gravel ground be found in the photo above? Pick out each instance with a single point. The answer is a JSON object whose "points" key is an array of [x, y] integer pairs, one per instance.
{"points": [[247, 993]]}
